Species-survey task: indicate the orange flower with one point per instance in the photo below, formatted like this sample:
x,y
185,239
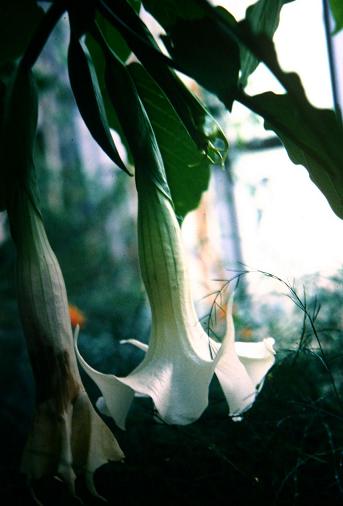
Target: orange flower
x,y
246,333
77,317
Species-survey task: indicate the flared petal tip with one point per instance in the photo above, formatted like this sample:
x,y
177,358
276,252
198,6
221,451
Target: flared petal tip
x,y
269,343
102,407
135,342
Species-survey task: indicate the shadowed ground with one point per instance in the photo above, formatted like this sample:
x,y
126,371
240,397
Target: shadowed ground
x,y
286,451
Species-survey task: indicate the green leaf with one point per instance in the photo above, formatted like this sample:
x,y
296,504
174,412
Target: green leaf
x,y
18,21
316,134
205,56
200,124
202,127
186,168
113,38
119,45
263,17
99,65
134,121
199,46
88,97
337,12
313,138
317,146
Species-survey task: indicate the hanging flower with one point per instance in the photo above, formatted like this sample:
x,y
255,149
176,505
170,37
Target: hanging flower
x,y
68,438
181,359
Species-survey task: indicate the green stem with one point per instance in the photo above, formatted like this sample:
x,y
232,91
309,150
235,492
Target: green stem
x,y
42,33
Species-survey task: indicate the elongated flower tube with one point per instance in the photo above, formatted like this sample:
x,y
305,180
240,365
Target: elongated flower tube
x,y
181,359
68,437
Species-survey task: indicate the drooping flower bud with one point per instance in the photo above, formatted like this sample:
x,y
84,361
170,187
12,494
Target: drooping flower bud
x,y
68,437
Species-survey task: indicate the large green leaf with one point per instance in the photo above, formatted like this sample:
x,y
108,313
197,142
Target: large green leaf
x,y
118,44
136,125
313,138
321,133
112,36
337,12
133,119
99,65
186,168
18,21
199,46
205,55
263,17
316,133
88,97
202,127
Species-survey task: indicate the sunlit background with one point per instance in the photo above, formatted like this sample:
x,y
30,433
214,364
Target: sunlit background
x,y
285,225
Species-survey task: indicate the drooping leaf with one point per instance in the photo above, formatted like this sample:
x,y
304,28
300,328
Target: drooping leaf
x,y
186,168
200,124
118,44
99,65
113,38
18,21
199,46
88,97
313,138
205,57
263,17
202,127
320,150
321,132
337,12
133,119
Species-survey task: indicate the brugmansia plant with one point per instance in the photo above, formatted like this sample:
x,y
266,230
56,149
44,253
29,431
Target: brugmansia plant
x,y
173,141
181,358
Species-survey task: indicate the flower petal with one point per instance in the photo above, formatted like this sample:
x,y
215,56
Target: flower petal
x,y
257,358
239,370
117,395
175,378
135,342
173,375
241,366
236,383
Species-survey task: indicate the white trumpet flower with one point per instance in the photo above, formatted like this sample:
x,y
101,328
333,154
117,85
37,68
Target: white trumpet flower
x,y
257,358
181,358
67,437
